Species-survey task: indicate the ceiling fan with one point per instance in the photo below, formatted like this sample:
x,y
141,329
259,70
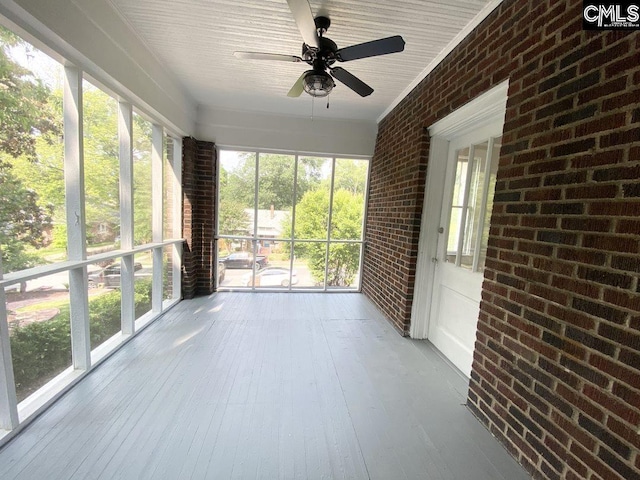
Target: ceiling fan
x,y
321,53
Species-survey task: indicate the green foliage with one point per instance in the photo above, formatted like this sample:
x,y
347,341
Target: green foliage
x,y
28,119
25,113
59,236
232,219
41,350
142,180
346,224
22,221
102,168
275,185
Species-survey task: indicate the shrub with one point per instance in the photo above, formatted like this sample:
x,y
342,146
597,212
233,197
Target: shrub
x,y
41,350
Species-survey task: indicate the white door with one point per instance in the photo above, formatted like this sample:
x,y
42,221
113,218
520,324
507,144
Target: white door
x,y
472,162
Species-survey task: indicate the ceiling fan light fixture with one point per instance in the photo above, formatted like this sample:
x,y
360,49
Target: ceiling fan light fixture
x,y
318,84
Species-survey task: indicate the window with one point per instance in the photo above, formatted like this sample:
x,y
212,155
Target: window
x,y
472,202
290,221
89,225
101,169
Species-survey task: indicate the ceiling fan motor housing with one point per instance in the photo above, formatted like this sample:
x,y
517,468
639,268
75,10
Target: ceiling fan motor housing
x,y
326,52
318,83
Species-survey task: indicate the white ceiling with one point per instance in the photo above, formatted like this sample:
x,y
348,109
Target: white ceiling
x,y
196,39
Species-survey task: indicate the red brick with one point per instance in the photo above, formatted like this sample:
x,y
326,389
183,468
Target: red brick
x,y
563,238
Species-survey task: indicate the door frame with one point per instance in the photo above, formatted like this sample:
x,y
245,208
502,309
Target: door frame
x,y
488,108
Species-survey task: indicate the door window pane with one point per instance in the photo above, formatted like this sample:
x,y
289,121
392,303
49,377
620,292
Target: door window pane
x,y
475,197
472,201
495,158
457,204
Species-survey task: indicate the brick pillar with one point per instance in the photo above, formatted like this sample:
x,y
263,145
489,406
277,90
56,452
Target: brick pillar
x,y
198,184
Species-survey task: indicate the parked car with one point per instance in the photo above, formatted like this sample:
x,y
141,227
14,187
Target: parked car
x,y
244,260
272,277
109,276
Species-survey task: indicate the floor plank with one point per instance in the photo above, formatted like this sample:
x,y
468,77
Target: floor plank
x,y
264,386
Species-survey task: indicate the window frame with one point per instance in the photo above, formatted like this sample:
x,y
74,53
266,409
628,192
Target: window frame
x,y
292,241
14,415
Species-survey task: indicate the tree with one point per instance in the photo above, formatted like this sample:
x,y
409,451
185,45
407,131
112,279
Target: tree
x,y
142,207
22,221
27,119
351,175
25,112
346,224
232,220
101,164
275,179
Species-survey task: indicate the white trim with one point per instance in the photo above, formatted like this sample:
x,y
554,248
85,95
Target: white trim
x,y
477,20
176,179
76,220
478,114
474,114
8,400
125,136
157,182
483,207
427,243
157,213
44,270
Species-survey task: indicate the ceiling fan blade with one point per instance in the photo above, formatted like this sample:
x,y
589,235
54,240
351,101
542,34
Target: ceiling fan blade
x,y
266,56
374,48
303,16
351,81
297,88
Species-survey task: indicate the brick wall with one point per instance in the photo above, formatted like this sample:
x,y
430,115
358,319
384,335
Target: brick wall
x,y
556,369
198,183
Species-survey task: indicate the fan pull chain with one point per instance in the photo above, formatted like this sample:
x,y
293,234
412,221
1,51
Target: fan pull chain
x,y
312,104
328,101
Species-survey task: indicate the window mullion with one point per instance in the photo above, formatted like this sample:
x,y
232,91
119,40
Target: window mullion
x,y
326,258
8,399
481,214
76,224
465,206
254,244
176,216
293,219
157,209
125,135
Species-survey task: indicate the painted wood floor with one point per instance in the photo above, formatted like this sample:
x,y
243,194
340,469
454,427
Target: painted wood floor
x,y
269,386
